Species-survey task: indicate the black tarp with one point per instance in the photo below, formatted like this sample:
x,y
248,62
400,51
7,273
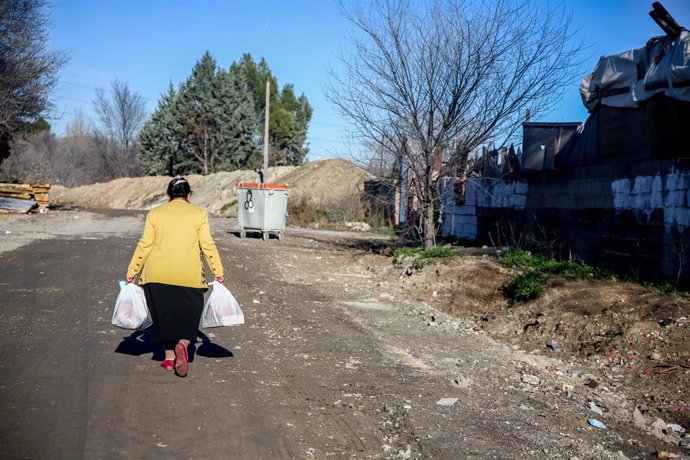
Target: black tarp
x,y
542,141
582,149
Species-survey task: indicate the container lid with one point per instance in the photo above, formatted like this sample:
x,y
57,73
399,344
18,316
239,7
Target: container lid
x,y
265,186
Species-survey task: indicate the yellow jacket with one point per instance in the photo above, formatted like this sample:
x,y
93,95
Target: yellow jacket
x,y
169,251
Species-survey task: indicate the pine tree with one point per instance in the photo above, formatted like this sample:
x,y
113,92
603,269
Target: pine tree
x,y
214,121
289,118
234,110
160,138
196,117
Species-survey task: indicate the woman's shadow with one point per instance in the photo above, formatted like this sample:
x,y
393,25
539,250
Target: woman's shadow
x,y
141,342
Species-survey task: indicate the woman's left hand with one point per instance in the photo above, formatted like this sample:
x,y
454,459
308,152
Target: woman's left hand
x,y
220,279
130,279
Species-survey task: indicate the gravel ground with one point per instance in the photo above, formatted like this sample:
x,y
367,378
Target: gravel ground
x,y
332,362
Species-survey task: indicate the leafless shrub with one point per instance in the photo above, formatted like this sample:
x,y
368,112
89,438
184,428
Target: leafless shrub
x,y
69,161
302,212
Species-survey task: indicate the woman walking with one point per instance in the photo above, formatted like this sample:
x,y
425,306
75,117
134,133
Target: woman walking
x,y
168,256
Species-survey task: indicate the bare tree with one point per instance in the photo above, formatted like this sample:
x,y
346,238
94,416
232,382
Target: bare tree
x,y
121,114
28,68
29,159
79,126
74,163
42,157
429,81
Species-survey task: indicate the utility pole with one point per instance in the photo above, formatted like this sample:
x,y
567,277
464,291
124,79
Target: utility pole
x,y
268,93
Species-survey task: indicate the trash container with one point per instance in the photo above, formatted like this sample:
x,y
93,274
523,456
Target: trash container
x,y
262,208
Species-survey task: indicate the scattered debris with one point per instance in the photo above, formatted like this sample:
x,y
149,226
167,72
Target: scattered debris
x,y
358,226
665,432
592,383
530,379
678,408
596,423
664,454
447,401
461,381
405,454
554,346
577,372
639,420
677,428
594,408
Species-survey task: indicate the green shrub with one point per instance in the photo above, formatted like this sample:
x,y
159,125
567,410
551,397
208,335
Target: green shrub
x,y
516,258
330,215
229,205
418,263
524,287
438,251
407,252
666,287
421,253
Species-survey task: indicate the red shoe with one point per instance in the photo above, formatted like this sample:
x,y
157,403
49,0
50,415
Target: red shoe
x,y
168,364
181,363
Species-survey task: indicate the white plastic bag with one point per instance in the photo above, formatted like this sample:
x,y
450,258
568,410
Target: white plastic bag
x,y
131,311
221,308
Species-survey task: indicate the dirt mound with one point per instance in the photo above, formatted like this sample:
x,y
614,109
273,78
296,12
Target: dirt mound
x,y
326,183
635,335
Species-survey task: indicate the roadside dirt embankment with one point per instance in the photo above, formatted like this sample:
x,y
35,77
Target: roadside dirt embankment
x,y
327,183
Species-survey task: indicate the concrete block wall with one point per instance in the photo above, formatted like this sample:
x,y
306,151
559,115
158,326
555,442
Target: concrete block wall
x,y
634,219
480,193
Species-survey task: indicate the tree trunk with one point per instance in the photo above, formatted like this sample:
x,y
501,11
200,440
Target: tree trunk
x,y
429,227
206,159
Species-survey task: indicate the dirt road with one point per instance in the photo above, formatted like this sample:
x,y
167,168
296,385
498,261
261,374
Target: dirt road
x,y
326,366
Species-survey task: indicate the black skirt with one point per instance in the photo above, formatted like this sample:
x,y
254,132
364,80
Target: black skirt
x,y
175,311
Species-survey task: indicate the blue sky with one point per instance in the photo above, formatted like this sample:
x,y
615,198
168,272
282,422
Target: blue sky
x,y
149,43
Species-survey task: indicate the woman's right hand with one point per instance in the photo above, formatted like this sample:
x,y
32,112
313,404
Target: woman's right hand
x,y
220,279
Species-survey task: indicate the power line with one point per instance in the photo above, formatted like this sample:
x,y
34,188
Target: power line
x,y
73,99
81,85
94,88
323,123
323,139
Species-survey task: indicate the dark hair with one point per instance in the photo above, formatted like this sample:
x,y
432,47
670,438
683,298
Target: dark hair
x,y
179,188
